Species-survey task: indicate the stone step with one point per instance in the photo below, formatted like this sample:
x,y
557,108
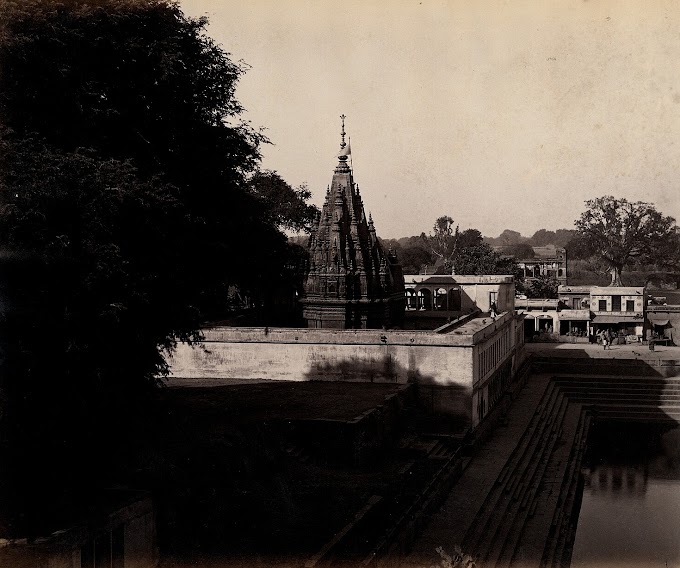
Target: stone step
x,y
613,378
442,450
643,395
510,529
528,475
570,513
523,452
640,389
558,466
625,401
549,398
633,405
569,492
638,414
623,385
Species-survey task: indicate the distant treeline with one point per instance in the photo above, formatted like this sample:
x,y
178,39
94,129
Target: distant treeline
x,y
415,255
541,238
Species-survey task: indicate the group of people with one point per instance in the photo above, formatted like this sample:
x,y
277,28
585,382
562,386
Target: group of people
x,y
577,333
606,337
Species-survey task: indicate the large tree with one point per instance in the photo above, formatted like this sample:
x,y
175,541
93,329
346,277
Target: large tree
x,y
124,93
483,259
126,210
463,252
443,242
619,231
470,238
543,287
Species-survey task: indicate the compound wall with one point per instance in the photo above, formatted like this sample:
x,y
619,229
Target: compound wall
x,y
304,355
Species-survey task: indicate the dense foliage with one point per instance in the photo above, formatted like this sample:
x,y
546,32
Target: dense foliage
x,y
128,206
448,250
443,242
284,206
542,237
619,232
540,287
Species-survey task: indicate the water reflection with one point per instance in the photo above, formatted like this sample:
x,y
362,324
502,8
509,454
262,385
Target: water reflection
x,y
630,515
632,480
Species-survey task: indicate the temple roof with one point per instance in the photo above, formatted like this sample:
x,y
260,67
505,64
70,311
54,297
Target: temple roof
x,y
347,260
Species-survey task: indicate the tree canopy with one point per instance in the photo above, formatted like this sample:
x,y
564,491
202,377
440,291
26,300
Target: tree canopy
x,y
483,259
470,238
125,156
542,287
619,231
509,237
451,251
443,242
284,206
520,250
129,203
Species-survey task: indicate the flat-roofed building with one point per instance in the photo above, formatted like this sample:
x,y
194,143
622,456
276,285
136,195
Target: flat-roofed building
x,y
433,300
620,309
548,261
581,312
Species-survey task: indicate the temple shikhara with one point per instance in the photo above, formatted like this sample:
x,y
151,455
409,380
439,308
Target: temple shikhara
x,y
353,283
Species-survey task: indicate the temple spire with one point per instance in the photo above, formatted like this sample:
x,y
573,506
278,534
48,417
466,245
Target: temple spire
x,y
349,264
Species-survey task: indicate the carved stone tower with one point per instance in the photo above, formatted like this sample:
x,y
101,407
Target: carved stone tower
x,y
352,283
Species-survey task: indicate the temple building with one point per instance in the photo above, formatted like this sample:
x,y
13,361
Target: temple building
x,y
353,283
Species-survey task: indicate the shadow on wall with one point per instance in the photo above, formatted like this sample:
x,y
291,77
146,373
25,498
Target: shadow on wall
x,y
446,407
384,369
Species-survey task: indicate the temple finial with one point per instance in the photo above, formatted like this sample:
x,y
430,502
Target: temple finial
x,y
342,144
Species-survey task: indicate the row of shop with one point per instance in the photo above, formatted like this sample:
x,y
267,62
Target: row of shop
x,y
572,326
582,313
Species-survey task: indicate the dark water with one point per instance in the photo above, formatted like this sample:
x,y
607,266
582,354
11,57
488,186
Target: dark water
x,y
630,515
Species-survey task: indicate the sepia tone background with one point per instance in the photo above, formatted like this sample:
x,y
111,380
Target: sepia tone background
x,y
501,114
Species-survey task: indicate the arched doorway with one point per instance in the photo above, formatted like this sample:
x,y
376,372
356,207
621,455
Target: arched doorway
x,y
424,299
441,299
411,300
545,324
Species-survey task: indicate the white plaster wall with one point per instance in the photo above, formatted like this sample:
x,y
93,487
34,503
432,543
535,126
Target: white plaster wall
x,y
362,355
430,364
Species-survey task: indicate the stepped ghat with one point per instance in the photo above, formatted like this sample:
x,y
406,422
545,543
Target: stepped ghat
x,y
517,501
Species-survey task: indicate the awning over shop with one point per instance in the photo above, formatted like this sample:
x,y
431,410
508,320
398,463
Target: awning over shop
x,y
618,319
575,315
658,319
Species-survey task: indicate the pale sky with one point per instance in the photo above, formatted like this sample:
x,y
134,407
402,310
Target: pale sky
x,y
501,114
